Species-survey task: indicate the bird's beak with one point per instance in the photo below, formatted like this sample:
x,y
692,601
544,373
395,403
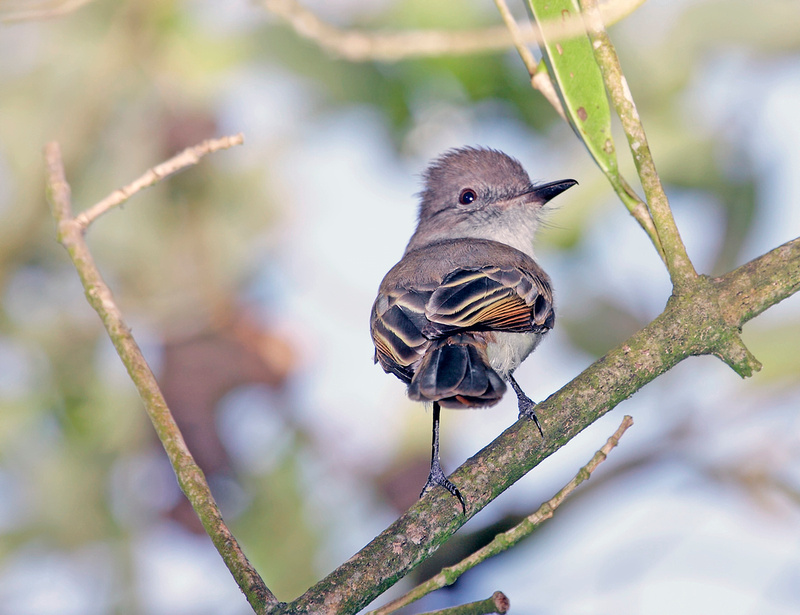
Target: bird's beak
x,y
545,192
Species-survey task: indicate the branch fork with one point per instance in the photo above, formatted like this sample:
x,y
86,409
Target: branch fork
x,y
192,481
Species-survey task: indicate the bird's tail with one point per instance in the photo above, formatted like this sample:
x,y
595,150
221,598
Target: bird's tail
x,y
455,371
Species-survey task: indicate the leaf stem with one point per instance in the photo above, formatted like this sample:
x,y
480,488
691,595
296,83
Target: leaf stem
x,y
680,267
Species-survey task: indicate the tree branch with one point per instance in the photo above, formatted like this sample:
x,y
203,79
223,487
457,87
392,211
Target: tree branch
x,y
190,477
188,157
362,46
760,284
697,323
506,540
497,603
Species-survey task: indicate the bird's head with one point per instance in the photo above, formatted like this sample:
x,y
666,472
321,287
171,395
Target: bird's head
x,y
481,193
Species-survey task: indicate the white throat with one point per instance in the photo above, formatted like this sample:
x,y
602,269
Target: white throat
x,y
516,233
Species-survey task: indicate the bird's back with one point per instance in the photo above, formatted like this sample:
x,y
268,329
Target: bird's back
x,y
441,296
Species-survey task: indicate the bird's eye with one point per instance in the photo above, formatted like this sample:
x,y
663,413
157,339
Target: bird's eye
x,y
467,196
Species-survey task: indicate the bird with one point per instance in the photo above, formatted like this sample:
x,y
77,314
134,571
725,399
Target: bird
x,y
467,302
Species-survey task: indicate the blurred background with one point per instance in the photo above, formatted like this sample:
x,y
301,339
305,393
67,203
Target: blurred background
x,y
248,281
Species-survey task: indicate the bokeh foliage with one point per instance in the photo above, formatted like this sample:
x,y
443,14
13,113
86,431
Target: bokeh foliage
x,y
123,85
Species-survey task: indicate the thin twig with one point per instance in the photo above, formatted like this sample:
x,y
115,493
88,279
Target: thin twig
x,y
540,80
363,46
680,267
496,603
190,476
188,157
508,539
519,40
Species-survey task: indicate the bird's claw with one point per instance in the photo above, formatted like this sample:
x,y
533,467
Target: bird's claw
x,y
526,405
437,478
527,409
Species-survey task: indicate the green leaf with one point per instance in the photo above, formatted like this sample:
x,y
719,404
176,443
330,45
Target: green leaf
x,y
577,78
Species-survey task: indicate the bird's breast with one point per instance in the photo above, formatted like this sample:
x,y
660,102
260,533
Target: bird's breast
x,y
507,350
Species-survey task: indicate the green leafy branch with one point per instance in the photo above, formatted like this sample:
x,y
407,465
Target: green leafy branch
x,y
585,71
704,315
583,68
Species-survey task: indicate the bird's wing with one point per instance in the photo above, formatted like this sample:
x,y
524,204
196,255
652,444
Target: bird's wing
x,y
398,318
489,298
504,298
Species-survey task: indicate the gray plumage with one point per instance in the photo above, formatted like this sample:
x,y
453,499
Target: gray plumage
x,y
467,303
467,276
468,290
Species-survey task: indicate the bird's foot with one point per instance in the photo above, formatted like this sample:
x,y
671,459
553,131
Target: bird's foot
x,y
527,409
526,405
437,477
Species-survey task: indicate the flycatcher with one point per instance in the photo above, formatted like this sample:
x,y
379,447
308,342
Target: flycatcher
x,y
467,303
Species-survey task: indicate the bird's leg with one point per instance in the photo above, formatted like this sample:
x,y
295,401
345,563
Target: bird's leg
x,y
436,476
526,404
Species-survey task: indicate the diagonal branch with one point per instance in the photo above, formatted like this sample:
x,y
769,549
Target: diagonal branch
x,y
698,323
759,284
190,477
506,540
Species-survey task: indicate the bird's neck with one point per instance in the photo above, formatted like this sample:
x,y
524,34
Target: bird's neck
x,y
519,236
